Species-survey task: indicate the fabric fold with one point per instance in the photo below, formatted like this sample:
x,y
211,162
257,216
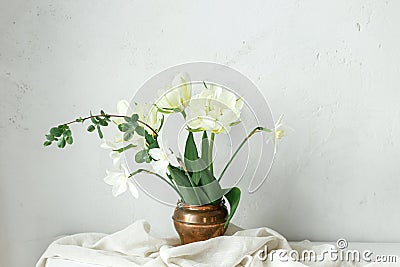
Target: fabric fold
x,y
135,246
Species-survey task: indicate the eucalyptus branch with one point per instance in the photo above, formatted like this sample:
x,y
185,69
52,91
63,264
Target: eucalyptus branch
x,y
104,115
156,174
63,135
254,131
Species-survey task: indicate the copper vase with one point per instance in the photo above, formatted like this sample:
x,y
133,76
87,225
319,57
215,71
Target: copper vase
x,y
198,223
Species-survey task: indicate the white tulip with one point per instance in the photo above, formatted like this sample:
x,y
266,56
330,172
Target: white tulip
x,y
149,114
214,109
177,97
120,182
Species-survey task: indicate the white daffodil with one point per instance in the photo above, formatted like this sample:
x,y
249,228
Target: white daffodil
x,y
114,155
214,109
162,158
147,113
279,131
120,182
123,109
177,97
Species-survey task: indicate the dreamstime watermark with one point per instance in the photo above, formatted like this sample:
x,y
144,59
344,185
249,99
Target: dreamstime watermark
x,y
340,253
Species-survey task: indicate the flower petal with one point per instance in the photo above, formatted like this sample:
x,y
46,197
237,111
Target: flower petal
x,y
160,167
118,189
113,178
133,189
156,153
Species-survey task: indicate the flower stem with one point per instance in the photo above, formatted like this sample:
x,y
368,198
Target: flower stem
x,y
183,114
156,174
255,130
210,153
112,116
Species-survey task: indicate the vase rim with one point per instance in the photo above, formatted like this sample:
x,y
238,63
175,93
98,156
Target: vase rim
x,y
200,207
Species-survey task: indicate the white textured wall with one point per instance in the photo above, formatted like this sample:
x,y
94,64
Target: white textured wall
x,y
331,66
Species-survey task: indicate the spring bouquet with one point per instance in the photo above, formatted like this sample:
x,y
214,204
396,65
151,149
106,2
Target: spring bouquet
x,y
212,111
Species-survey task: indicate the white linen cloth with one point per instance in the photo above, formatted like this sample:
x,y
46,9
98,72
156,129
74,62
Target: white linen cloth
x,y
134,246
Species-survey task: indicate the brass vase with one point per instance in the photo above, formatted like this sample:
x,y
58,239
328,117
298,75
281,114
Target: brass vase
x,y
198,223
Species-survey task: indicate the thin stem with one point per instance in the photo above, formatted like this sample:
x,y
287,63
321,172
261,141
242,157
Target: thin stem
x,y
156,174
183,114
254,131
210,153
112,116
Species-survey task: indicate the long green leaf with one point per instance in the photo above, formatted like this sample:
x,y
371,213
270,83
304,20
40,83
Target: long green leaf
x,y
191,195
179,176
205,145
233,197
191,153
192,159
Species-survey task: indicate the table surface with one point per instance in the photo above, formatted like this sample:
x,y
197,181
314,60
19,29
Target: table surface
x,y
376,248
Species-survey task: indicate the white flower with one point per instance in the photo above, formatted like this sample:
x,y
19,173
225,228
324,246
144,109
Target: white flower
x,y
120,182
177,96
279,131
162,158
123,109
147,113
214,109
114,155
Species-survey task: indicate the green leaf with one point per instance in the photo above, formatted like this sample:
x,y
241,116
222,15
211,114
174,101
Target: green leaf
x,y
153,145
55,131
191,154
102,112
122,149
205,146
128,136
179,176
162,122
61,143
103,122
191,195
63,127
196,177
235,123
49,137
233,197
140,130
99,132
206,177
124,127
80,119
266,130
69,140
194,130
47,143
149,139
67,133
91,128
134,118
94,121
142,156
